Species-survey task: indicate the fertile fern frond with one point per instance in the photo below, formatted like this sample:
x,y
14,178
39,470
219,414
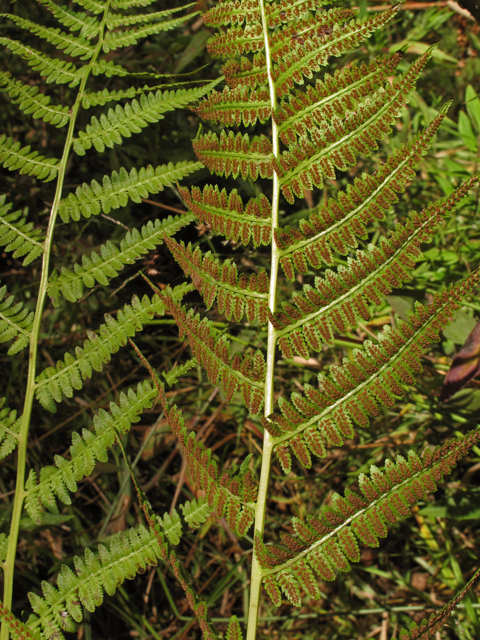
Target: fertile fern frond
x,y
212,352
55,382
234,106
336,226
110,260
18,630
18,235
71,45
129,553
57,482
327,544
119,188
247,72
74,21
15,322
236,295
340,299
118,39
31,101
234,631
233,12
115,20
354,391
17,158
314,157
225,213
9,426
53,70
232,154
133,117
224,494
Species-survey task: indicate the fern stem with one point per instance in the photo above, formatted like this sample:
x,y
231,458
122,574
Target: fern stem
x,y
9,564
256,573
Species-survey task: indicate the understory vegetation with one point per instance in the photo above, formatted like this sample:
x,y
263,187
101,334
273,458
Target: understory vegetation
x,y
146,309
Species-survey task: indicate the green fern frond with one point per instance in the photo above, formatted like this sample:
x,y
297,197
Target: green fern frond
x,y
118,39
225,213
196,512
18,235
172,376
100,98
67,43
87,25
115,20
95,6
55,382
236,295
9,427
327,147
110,260
172,527
119,188
129,553
133,117
311,53
327,544
108,68
340,299
232,154
336,226
57,482
30,101
131,4
15,322
17,158
212,352
324,416
224,494
57,71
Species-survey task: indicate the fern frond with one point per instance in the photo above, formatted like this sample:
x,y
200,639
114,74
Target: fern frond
x,y
15,322
354,391
115,20
95,98
312,158
332,96
129,553
232,154
57,71
95,6
428,628
133,117
17,158
234,106
30,101
172,376
18,630
340,299
225,214
236,295
57,482
119,188
326,545
74,21
118,39
234,631
196,512
286,11
71,45
233,12
311,53
336,226
242,373
18,235
237,40
224,494
55,382
9,427
110,260
130,4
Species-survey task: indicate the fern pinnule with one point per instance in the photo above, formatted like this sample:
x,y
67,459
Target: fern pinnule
x,y
232,12
9,426
57,482
117,39
17,158
110,260
70,45
226,215
115,20
73,20
236,295
328,543
234,106
55,382
96,98
16,322
52,69
31,101
336,226
116,190
94,6
282,12
18,235
250,73
18,629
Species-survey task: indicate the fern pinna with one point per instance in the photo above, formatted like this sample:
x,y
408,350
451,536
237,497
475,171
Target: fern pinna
x,y
301,290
